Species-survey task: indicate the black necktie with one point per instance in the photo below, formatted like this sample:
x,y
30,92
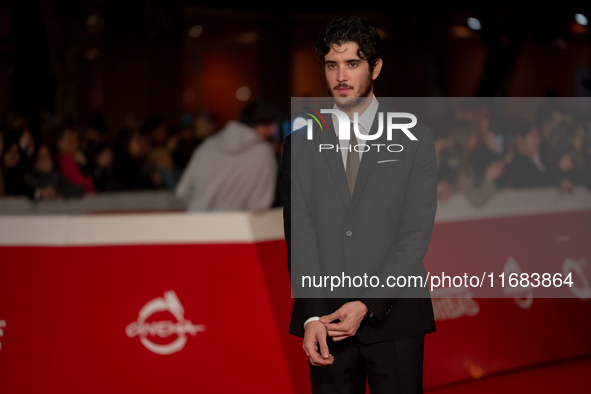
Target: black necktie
x,y
352,163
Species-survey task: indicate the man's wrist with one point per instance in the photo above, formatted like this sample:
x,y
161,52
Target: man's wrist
x,y
363,303
369,312
313,318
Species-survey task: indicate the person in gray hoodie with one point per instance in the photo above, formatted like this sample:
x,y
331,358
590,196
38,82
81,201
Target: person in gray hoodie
x,y
236,168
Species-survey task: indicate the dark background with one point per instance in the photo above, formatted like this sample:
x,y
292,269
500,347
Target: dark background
x,y
129,58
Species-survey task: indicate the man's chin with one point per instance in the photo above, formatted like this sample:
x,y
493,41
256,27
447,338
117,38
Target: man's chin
x,y
348,102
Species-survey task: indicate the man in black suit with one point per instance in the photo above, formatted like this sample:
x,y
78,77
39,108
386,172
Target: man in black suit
x,y
355,212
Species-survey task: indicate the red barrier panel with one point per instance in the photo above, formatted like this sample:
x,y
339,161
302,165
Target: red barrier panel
x,y
480,336
213,317
119,319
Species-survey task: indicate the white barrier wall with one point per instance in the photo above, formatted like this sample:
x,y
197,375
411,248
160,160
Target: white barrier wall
x,y
103,202
65,227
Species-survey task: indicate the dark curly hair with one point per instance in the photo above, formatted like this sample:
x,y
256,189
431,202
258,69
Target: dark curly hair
x,y
351,28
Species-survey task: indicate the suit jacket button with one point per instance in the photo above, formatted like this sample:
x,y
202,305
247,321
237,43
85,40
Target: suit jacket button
x,y
349,233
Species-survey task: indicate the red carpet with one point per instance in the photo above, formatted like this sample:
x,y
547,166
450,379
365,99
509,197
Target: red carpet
x,y
571,377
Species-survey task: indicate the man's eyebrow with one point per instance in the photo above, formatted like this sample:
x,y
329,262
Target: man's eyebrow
x,y
346,61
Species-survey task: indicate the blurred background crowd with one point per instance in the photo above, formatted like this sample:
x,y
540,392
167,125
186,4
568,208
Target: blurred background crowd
x,y
478,154
72,159
106,96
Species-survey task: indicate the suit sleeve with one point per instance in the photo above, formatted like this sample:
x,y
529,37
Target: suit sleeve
x,y
417,219
300,236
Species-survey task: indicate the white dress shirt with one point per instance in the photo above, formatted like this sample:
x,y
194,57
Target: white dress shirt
x,y
365,122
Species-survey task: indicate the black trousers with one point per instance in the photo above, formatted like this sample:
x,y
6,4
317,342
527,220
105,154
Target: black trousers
x,y
394,367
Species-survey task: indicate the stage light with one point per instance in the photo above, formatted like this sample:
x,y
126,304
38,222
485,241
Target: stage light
x,y
460,31
195,31
91,53
243,93
248,38
581,19
94,20
474,24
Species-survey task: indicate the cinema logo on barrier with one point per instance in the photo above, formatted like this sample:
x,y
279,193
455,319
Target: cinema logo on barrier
x,y
145,329
2,325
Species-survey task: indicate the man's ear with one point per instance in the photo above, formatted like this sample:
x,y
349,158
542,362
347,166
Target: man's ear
x,y
377,68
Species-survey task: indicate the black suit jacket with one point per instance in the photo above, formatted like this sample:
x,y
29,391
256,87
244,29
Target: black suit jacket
x,y
383,229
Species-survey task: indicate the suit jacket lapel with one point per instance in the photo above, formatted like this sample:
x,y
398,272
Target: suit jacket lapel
x,y
335,161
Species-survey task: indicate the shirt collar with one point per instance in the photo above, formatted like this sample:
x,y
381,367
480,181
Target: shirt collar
x,y
366,118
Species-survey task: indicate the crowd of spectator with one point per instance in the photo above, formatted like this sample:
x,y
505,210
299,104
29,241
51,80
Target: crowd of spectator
x,y
68,159
478,154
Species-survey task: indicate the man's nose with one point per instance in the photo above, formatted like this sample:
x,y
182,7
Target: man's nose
x,y
342,74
